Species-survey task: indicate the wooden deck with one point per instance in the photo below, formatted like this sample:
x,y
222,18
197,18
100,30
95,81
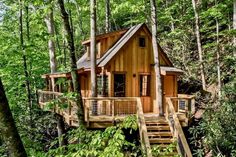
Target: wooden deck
x,y
102,112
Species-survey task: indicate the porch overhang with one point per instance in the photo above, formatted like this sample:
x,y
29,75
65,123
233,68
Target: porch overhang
x,y
170,70
56,75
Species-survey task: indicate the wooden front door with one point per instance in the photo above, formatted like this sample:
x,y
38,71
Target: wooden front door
x,y
145,91
170,88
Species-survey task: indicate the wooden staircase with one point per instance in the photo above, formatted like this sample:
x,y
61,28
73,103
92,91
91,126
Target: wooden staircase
x,y
160,136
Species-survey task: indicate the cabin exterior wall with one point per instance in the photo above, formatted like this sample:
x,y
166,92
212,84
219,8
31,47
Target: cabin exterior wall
x,y
134,61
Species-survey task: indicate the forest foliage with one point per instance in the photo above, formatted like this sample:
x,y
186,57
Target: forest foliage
x,y
176,34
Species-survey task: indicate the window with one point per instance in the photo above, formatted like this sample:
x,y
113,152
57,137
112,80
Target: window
x,y
119,85
97,50
142,42
102,85
182,104
144,85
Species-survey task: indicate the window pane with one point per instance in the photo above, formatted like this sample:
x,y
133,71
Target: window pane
x,y
102,85
119,85
142,42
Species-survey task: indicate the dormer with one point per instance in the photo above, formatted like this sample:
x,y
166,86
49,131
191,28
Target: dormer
x,y
98,50
103,42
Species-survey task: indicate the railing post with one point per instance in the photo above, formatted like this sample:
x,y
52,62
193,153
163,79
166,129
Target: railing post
x,y
113,111
192,105
87,108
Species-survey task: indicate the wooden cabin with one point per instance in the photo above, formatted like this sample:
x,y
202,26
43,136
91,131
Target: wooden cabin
x,y
126,81
126,63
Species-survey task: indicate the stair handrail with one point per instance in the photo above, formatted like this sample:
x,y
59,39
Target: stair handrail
x,y
177,129
145,144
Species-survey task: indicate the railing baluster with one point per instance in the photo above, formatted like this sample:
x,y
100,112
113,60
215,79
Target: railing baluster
x,y
192,106
113,111
87,107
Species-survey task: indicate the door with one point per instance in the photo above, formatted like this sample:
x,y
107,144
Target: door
x,y
170,88
145,92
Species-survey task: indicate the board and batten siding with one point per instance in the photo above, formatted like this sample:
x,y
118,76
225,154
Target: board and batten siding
x,y
133,60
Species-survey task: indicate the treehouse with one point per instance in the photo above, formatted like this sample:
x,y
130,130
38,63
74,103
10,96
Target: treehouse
x,y
126,86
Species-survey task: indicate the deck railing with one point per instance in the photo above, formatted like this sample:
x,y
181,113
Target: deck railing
x,y
100,109
186,104
68,112
108,108
176,128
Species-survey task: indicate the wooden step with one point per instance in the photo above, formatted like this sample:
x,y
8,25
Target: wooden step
x,y
168,154
164,146
160,134
156,123
155,120
158,128
161,140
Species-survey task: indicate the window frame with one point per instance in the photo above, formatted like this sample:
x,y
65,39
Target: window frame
x,y
140,43
113,81
106,90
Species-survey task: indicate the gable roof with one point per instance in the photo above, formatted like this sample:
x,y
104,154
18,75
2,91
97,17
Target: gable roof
x,y
118,45
101,36
84,63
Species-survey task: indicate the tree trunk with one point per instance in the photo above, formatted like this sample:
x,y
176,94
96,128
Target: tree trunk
x,y
74,74
234,26
199,45
64,49
73,32
108,14
27,23
61,130
8,128
80,22
93,47
93,52
60,61
27,82
51,43
218,60
49,20
159,98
